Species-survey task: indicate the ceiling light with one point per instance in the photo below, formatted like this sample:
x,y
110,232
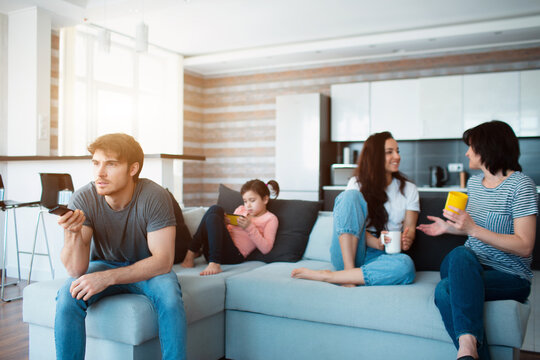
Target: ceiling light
x,y
141,37
104,40
104,35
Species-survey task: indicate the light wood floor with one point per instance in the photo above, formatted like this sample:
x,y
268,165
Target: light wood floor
x,y
14,332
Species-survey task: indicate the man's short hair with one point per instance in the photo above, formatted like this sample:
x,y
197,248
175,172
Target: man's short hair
x,y
123,145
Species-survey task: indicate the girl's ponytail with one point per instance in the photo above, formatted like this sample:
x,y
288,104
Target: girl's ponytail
x,y
273,186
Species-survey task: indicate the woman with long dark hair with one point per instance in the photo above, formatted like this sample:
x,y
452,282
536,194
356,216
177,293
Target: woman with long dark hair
x,y
500,222
378,198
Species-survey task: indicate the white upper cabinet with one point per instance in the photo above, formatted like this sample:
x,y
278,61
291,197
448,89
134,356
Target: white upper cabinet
x,y
350,112
492,96
530,103
441,107
395,108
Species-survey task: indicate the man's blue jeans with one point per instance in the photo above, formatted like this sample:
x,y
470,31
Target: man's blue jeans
x,y
162,290
465,285
379,268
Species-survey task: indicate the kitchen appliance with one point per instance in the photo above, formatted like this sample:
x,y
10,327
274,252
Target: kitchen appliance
x,y
437,176
341,173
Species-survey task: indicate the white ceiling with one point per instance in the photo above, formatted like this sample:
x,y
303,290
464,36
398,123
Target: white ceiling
x,y
226,36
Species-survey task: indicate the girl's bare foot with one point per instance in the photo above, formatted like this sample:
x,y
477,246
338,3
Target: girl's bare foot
x,y
189,260
212,269
308,274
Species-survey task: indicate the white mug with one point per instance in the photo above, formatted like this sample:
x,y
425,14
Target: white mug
x,y
394,246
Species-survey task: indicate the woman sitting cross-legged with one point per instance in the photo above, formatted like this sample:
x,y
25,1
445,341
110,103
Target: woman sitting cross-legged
x,y
225,243
378,198
500,222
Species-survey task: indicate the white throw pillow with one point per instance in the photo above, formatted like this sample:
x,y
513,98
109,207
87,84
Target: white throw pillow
x,y
193,217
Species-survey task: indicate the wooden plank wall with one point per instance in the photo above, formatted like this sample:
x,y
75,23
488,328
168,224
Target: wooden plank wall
x,y
231,119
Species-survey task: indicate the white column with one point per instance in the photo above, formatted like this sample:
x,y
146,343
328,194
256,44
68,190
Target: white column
x,y
29,78
3,83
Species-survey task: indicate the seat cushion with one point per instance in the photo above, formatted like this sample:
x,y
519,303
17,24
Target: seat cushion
x,y
130,318
404,309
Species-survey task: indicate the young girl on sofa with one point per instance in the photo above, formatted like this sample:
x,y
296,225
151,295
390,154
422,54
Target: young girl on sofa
x,y
225,243
378,198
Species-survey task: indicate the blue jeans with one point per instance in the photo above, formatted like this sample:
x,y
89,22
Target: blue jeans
x,y
465,285
162,290
379,268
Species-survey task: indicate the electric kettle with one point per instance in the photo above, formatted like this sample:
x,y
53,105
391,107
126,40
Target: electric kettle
x,y
437,176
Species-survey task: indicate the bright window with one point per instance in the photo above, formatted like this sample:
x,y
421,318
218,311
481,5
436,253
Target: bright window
x,y
118,91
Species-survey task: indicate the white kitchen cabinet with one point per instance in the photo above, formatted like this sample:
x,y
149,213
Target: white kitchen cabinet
x,y
492,96
303,149
441,107
350,112
395,108
530,103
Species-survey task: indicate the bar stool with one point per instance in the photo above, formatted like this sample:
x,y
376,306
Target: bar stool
x,y
6,206
56,189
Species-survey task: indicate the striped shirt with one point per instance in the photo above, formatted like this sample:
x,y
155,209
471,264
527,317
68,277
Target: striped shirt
x,y
495,210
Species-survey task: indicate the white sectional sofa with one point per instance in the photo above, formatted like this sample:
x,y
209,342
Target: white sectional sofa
x,y
257,311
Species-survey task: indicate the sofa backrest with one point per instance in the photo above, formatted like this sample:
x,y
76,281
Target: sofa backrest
x,y
427,251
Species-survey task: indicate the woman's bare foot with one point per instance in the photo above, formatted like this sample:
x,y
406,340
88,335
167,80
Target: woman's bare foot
x,y
467,346
212,269
308,274
189,259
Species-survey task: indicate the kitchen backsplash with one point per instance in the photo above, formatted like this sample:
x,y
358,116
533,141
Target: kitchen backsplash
x,y
418,155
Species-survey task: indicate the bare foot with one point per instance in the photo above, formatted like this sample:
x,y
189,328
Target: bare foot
x,y
189,260
348,285
467,346
212,269
318,275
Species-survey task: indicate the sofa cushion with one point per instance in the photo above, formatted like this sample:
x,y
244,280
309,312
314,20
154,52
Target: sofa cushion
x,y
296,219
405,309
320,239
130,318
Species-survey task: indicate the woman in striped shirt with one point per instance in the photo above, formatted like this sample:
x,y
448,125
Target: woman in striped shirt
x,y
500,222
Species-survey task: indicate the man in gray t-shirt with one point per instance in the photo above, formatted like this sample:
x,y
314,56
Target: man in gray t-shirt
x,y
119,239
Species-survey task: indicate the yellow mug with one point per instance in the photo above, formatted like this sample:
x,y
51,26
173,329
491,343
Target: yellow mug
x,y
456,199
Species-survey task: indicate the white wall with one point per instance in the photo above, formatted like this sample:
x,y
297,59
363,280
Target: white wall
x,y
3,83
28,85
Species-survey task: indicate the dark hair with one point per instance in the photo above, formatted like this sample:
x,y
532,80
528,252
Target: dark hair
x,y
497,145
371,175
261,188
123,145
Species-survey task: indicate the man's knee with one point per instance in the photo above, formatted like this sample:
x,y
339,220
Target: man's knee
x,y
64,300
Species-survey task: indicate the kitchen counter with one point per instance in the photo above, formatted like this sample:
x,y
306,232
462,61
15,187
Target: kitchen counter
x,y
421,188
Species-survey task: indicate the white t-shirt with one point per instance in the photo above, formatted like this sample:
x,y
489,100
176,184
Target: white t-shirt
x,y
397,203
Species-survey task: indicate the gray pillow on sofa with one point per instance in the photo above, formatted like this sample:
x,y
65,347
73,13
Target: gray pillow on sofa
x,y
296,219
